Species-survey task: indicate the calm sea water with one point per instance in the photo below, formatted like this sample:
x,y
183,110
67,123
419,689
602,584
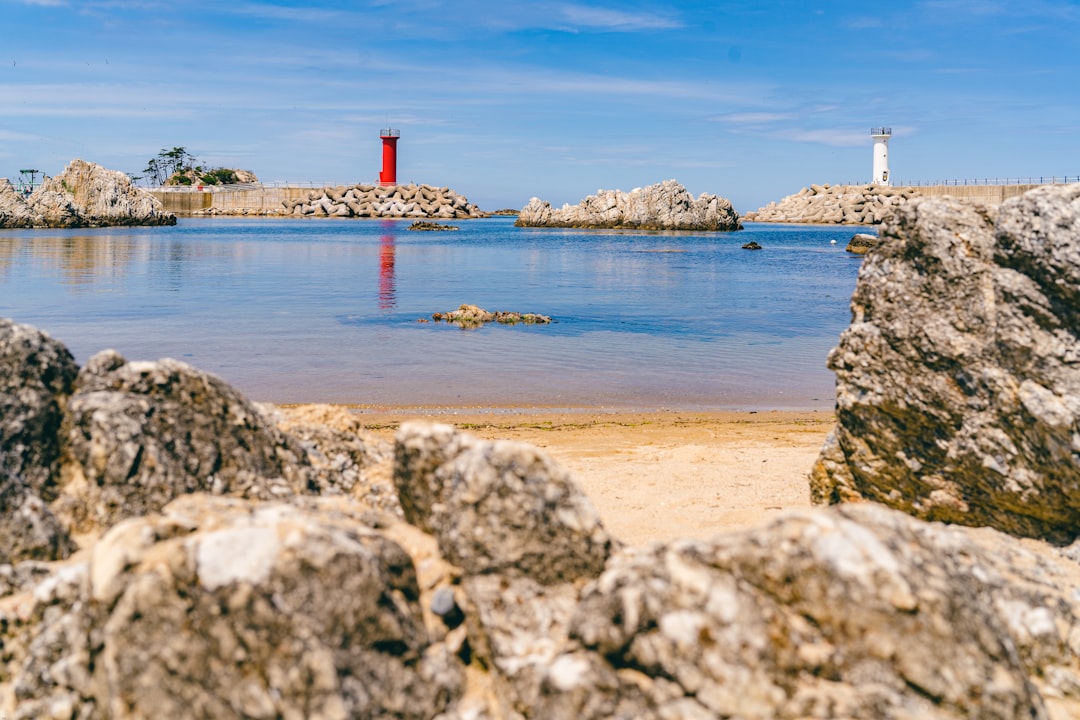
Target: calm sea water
x,y
328,310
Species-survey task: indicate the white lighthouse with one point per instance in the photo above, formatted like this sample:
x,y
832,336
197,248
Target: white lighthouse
x,y
881,137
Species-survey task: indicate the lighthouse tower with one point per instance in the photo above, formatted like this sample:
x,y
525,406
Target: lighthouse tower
x,y
388,176
881,137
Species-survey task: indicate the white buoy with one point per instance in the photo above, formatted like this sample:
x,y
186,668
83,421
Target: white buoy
x,y
881,137
832,242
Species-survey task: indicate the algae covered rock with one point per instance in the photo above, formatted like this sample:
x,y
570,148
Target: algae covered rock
x,y
958,389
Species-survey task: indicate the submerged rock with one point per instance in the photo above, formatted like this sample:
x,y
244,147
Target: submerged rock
x,y
431,226
958,387
471,316
664,206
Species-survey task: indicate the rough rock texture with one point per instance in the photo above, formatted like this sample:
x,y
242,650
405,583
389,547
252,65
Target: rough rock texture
x,y
664,206
83,195
394,201
224,608
504,597
958,381
14,212
841,204
500,507
36,376
860,613
139,434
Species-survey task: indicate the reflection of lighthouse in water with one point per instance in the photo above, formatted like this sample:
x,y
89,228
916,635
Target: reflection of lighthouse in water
x,y
387,299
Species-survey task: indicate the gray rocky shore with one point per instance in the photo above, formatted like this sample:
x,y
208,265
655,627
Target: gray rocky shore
x,y
170,549
834,204
663,206
83,195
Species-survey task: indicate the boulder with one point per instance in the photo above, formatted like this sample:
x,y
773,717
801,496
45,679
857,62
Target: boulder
x,y
498,507
859,612
305,595
225,608
36,377
861,243
958,388
664,206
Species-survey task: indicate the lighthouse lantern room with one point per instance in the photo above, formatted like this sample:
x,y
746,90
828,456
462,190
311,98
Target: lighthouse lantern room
x,y
881,137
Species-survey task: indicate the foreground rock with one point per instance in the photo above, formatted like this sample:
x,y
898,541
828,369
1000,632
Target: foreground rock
x,y
395,201
834,204
958,387
222,559
664,206
83,195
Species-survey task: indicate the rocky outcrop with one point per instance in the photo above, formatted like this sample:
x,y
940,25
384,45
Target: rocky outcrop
x,y
958,388
471,316
83,195
834,204
664,206
279,581
395,201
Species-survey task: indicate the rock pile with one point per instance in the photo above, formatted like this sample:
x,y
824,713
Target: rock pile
x,y
395,201
83,195
840,204
958,385
664,206
173,550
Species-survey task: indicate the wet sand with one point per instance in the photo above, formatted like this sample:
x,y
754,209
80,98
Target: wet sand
x,y
656,475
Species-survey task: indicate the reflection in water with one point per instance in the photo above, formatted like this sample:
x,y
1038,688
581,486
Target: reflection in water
x,y
387,298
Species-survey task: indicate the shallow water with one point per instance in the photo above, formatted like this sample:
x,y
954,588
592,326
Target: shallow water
x,y
328,310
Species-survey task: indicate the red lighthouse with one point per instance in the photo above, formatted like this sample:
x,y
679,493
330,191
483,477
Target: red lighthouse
x,y
389,136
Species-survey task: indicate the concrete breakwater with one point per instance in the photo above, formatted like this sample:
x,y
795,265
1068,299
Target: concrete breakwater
x,y
360,200
869,204
839,204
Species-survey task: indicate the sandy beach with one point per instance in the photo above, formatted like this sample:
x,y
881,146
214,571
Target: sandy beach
x,y
657,475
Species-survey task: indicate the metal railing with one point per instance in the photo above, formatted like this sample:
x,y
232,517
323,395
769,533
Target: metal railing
x,y
881,131
249,186
1041,180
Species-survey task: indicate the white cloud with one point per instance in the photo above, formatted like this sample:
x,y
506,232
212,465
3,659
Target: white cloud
x,y
581,16
831,137
752,118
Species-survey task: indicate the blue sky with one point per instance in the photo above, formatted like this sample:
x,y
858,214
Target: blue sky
x,y
509,100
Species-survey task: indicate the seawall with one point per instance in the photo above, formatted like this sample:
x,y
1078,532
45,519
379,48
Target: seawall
x,y
991,194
